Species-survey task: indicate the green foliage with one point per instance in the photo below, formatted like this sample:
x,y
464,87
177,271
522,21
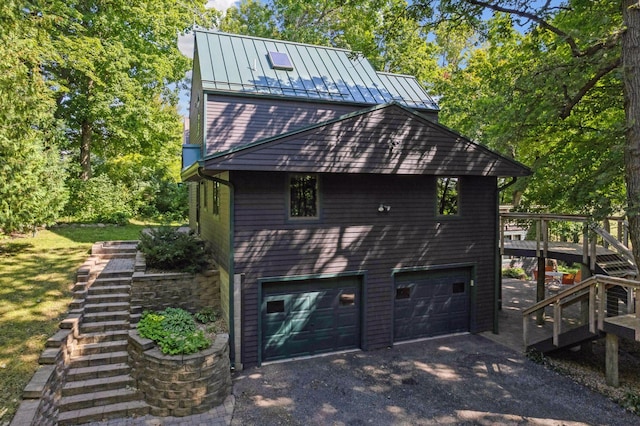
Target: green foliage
x,y
631,401
114,74
517,273
99,200
170,249
206,315
174,330
32,173
152,184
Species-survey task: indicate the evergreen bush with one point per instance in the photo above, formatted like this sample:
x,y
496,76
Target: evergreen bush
x,y
170,249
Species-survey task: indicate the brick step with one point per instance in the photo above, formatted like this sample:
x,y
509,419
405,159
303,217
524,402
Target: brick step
x,y
97,372
108,289
109,281
105,307
102,336
99,359
134,319
105,412
103,326
105,316
108,298
100,348
97,399
97,385
76,304
114,274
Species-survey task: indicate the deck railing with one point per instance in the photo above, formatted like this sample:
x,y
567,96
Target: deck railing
x,y
592,233
597,305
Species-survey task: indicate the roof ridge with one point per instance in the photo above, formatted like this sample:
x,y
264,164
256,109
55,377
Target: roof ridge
x,y
341,49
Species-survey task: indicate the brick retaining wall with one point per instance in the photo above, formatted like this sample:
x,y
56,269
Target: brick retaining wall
x,y
180,385
191,292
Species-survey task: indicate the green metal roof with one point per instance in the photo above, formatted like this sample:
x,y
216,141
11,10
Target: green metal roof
x,y
237,63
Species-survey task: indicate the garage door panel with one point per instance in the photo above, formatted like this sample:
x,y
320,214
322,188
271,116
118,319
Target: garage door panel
x,y
431,303
319,316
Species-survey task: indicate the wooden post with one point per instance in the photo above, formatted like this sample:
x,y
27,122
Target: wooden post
x,y
611,360
585,246
540,289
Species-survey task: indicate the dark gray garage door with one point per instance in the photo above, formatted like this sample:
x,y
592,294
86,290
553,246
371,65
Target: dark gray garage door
x,y
431,303
310,317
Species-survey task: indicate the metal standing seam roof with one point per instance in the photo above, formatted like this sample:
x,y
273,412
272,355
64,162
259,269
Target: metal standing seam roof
x,y
237,63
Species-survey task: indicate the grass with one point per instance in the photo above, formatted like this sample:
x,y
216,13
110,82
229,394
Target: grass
x,y
36,276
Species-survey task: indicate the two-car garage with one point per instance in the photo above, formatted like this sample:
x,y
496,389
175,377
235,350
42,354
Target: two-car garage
x,y
314,316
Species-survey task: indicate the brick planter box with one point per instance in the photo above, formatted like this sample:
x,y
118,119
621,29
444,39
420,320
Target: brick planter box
x,y
180,385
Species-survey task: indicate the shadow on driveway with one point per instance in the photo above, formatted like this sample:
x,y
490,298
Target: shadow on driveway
x,y
465,379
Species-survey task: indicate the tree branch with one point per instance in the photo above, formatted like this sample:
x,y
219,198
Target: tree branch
x,y
571,102
611,41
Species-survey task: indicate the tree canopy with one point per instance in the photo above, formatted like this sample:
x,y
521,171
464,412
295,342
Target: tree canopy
x,y
85,83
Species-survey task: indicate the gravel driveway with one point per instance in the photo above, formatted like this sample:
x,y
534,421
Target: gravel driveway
x,y
464,379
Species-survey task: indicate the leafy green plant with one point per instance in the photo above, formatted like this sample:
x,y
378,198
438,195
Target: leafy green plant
x,y
206,315
514,273
174,330
99,199
168,248
631,401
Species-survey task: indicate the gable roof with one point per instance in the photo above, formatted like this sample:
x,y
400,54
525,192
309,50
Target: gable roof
x,y
242,64
385,139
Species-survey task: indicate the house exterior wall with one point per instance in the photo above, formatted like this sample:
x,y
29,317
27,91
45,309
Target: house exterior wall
x,y
193,188
196,105
216,231
351,235
237,120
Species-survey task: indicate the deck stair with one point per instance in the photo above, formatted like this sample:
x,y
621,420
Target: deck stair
x,y
583,312
618,264
98,384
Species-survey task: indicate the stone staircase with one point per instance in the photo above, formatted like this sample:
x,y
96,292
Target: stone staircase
x,y
98,383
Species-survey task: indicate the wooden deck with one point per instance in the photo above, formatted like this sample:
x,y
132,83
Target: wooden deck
x,y
569,252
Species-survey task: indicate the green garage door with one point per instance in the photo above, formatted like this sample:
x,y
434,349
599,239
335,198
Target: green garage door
x,y
431,303
310,317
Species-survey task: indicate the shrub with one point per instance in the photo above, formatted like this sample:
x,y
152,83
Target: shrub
x,y
168,248
206,315
99,200
174,330
514,273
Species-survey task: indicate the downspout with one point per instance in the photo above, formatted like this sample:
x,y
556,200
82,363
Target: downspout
x,y
497,296
232,340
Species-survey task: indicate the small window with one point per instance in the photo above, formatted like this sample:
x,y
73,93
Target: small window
x,y
448,196
347,299
303,196
403,292
216,199
458,287
275,306
280,61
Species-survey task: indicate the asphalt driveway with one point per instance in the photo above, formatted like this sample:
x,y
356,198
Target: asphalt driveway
x,y
465,379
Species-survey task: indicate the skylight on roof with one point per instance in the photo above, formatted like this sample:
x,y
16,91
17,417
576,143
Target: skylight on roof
x,y
280,61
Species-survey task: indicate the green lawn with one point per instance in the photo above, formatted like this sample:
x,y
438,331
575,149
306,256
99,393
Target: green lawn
x,y
36,276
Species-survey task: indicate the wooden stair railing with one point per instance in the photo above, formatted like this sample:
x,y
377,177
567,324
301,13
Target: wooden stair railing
x,y
595,287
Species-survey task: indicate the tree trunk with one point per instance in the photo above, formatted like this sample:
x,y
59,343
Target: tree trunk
x,y
85,150
631,77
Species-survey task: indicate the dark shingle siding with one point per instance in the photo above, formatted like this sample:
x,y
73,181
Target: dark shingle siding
x,y
353,236
388,140
233,121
